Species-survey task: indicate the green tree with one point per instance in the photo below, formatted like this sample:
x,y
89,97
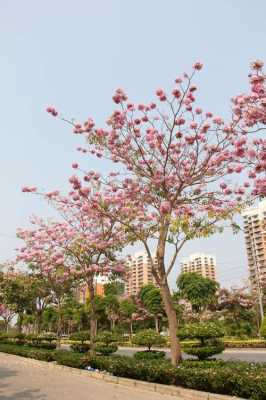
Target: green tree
x,y
111,305
152,301
115,288
208,334
50,318
99,311
148,338
127,309
237,308
199,291
16,292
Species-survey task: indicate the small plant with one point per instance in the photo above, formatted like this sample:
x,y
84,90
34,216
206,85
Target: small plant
x,y
106,343
148,338
208,334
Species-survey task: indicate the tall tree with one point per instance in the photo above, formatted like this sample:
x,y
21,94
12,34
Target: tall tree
x,y
16,293
114,287
111,304
199,291
128,310
175,181
152,301
7,314
82,246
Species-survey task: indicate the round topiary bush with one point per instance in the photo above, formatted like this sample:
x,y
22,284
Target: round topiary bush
x,y
80,347
106,350
106,342
206,351
149,355
148,338
81,336
207,334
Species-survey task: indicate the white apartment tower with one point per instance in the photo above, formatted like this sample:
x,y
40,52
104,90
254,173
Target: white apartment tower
x,y
255,238
202,264
139,273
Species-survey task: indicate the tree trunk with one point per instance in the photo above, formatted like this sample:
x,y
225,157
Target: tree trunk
x,y
19,323
59,326
6,325
38,321
161,279
93,319
131,329
172,322
156,320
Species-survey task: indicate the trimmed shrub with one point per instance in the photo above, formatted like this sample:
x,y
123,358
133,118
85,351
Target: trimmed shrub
x,y
206,351
106,350
45,346
81,336
70,359
149,355
106,343
26,351
238,344
232,378
207,333
80,347
148,338
201,331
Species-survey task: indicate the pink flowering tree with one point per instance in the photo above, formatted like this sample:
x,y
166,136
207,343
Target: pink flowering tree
x,y
7,314
38,254
182,174
250,112
82,245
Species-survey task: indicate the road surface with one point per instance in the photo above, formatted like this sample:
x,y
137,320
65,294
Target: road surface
x,y
250,355
20,380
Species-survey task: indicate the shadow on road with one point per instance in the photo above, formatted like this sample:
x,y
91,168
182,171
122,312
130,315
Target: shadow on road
x,y
6,392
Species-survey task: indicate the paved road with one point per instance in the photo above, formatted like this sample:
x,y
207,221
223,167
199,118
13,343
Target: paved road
x,y
252,355
20,380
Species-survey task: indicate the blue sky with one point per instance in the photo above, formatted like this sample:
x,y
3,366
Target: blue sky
x,y
73,54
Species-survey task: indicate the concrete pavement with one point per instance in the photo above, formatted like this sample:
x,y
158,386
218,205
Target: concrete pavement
x,y
19,380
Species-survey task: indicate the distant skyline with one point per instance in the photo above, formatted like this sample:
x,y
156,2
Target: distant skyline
x,y
73,55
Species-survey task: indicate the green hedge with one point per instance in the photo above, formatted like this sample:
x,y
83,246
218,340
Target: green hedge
x,y
237,379
246,380
244,344
149,355
70,359
27,351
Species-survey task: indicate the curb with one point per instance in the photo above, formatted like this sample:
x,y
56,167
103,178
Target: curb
x,y
177,391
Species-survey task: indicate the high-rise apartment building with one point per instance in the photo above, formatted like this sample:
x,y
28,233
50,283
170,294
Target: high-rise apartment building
x,y
255,238
202,264
139,273
82,292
